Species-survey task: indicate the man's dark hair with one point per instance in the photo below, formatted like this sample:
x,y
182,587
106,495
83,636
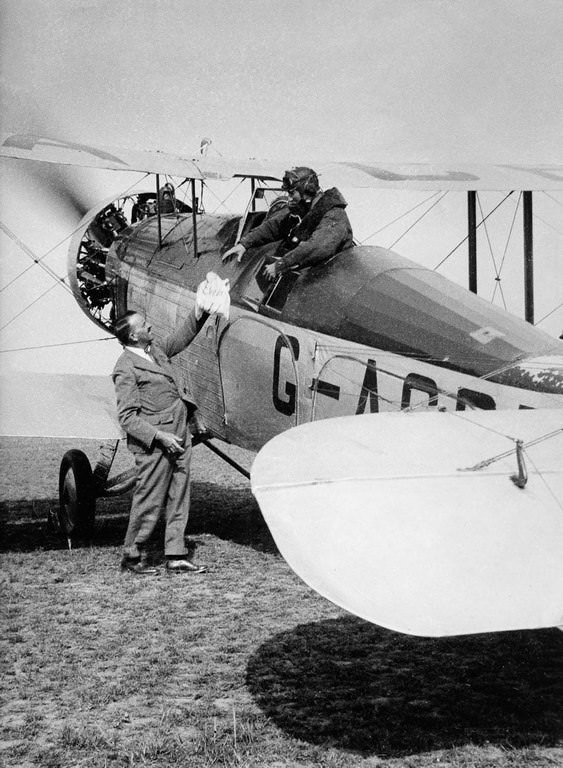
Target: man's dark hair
x,y
122,327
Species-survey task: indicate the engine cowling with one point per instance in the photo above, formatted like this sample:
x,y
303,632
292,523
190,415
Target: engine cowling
x,y
94,286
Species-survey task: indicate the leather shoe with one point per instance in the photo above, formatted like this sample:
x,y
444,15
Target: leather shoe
x,y
138,566
184,566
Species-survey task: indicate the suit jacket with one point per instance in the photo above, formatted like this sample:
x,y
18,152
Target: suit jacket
x,y
150,395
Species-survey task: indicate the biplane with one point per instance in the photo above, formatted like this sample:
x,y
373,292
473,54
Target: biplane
x,y
410,434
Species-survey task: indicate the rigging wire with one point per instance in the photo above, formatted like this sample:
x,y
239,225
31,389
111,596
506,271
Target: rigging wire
x,y
487,428
398,218
458,414
20,274
221,203
179,219
60,344
542,478
547,224
497,279
435,360
549,313
461,242
341,351
28,252
36,260
40,259
554,199
491,252
394,243
50,288
506,454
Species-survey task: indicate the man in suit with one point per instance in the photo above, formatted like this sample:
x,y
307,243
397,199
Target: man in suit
x,y
154,409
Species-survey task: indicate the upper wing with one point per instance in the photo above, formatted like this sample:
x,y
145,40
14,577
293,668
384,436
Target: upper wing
x,y
374,175
378,514
61,152
58,405
452,176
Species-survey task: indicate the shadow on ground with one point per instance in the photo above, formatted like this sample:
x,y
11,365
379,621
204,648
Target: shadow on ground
x,y
228,513
352,685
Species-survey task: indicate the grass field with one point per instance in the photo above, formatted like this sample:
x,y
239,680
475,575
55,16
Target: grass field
x,y
242,666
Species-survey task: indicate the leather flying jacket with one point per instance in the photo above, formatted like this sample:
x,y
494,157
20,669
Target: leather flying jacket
x,y
324,231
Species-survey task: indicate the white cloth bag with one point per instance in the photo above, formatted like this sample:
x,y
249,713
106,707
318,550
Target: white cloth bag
x,y
213,296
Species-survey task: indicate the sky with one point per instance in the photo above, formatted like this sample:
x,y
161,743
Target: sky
x,y
387,80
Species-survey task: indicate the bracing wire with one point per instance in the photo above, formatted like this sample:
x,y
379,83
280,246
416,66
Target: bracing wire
x,y
439,200
398,218
35,259
547,224
60,344
18,314
547,485
549,313
179,218
554,199
58,280
40,259
461,242
20,274
491,252
468,419
497,280
506,454
222,203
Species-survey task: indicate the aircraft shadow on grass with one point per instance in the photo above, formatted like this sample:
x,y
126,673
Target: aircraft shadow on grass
x,y
351,685
229,513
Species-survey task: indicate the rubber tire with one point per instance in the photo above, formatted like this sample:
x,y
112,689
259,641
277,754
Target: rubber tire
x,y
77,500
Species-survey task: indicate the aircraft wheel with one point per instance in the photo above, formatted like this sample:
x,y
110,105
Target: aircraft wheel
x,y
77,500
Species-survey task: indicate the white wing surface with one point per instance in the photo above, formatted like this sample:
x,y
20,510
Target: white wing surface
x,y
58,405
380,514
369,174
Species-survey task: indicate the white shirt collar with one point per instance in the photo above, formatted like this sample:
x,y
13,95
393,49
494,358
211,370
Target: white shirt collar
x,y
141,352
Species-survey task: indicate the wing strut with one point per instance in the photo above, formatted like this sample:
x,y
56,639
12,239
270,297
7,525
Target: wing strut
x,y
527,198
472,239
227,459
158,210
528,258
195,204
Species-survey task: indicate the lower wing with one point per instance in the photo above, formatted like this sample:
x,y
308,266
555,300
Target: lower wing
x,y
402,519
58,405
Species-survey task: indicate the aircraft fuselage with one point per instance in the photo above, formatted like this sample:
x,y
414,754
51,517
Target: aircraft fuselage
x,y
369,331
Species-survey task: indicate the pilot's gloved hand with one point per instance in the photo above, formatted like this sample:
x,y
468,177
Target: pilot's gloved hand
x,y
270,271
237,250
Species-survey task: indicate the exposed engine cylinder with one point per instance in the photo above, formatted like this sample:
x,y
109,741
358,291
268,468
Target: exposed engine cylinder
x,y
93,288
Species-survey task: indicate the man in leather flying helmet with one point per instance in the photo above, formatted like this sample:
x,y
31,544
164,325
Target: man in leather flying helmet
x,y
311,228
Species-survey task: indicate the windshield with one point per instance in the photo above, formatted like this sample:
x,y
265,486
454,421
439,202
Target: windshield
x,y
419,313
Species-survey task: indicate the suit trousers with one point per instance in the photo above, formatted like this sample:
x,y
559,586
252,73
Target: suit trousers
x,y
162,488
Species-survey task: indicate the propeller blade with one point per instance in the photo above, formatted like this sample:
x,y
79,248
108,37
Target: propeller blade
x,y
61,184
